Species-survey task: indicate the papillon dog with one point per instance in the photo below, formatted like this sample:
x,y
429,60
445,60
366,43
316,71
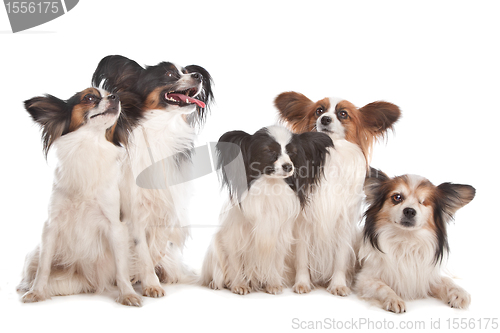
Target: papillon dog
x,y
326,230
269,176
85,246
174,100
405,240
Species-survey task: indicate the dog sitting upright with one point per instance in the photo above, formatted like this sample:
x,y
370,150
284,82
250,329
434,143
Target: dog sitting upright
x,y
84,245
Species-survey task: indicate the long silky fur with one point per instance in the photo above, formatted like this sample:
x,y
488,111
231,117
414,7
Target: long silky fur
x,y
250,250
400,265
84,245
162,139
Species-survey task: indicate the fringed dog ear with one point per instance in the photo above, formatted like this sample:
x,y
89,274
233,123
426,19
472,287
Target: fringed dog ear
x,y
375,196
52,114
454,196
379,117
116,73
294,109
373,181
206,95
129,118
308,152
231,154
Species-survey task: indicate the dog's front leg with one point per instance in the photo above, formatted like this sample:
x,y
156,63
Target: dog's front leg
x,y
38,291
369,287
338,283
151,286
302,283
446,290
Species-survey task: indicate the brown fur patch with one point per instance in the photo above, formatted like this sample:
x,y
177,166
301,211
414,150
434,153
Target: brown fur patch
x,y
154,101
363,126
80,110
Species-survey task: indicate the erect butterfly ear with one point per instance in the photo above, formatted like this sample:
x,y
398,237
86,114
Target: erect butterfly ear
x,y
454,196
293,108
52,114
231,152
116,73
379,116
373,181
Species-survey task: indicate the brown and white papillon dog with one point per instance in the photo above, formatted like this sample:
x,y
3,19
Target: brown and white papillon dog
x,y
85,246
405,240
269,175
173,100
326,230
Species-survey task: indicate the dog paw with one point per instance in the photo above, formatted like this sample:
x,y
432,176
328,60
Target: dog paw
x,y
154,291
130,300
32,297
274,290
302,288
213,285
394,304
339,290
459,298
240,290
165,278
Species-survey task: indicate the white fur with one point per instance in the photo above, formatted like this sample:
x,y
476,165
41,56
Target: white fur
x,y
84,245
405,271
249,250
326,230
406,267
157,215
255,238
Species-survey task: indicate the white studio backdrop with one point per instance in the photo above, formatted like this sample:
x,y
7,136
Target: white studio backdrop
x,y
438,61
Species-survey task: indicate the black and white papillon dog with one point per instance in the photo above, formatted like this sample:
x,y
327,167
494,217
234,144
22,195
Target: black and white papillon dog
x,y
269,176
173,100
84,247
405,240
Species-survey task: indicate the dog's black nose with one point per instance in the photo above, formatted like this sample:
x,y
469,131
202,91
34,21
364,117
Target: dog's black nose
x,y
409,212
287,167
326,120
197,76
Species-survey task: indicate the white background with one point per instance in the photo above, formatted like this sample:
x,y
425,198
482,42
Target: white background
x,y
439,61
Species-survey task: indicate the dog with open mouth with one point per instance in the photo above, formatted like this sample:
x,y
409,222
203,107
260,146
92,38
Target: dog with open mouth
x,y
174,101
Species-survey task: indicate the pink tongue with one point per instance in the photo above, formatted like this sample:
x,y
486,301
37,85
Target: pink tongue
x,y
186,99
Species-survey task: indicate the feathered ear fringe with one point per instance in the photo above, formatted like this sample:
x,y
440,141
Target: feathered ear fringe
x,y
293,109
129,118
52,114
206,95
308,161
231,163
377,118
375,197
448,199
116,73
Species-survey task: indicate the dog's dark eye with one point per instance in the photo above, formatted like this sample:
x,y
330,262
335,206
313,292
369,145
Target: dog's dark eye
x,y
171,74
319,111
89,98
342,114
274,156
397,198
